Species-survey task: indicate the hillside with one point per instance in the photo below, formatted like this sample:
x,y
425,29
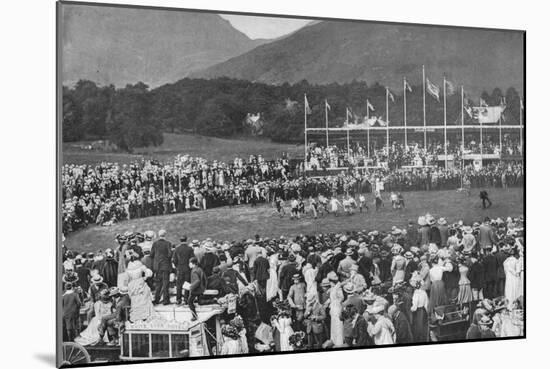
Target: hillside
x,y
333,51
117,46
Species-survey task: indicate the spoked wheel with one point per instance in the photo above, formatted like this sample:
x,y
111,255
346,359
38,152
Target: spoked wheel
x,y
74,354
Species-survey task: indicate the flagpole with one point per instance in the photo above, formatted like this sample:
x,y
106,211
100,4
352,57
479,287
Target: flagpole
x,y
445,118
405,109
521,125
387,124
368,130
500,130
305,133
462,121
326,119
424,103
347,133
481,136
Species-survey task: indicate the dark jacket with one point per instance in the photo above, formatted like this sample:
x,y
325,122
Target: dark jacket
x,y
161,253
364,265
410,268
360,334
181,257
208,262
261,269
285,275
490,266
501,257
121,310
198,281
324,270
71,305
476,275
403,333
435,236
216,282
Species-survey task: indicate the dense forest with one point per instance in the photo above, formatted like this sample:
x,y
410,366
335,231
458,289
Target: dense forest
x,y
136,116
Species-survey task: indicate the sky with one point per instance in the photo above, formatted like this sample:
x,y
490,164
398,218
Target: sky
x,y
264,27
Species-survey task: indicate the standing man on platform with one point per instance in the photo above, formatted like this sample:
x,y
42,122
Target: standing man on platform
x,y
161,254
182,254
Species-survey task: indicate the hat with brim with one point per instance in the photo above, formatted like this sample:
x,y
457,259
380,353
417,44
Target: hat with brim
x,y
485,320
97,279
442,221
325,282
332,276
409,255
296,277
349,252
113,291
467,230
422,221
349,288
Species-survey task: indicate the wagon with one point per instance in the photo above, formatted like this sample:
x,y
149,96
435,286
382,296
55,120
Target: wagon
x,y
170,334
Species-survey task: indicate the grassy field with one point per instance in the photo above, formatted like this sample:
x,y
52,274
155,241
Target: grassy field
x,y
244,221
210,148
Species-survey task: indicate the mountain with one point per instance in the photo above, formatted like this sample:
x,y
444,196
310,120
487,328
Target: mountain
x,y
124,45
336,51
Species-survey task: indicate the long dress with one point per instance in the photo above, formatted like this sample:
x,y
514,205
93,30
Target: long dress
x,y
284,326
311,284
141,305
336,325
383,331
272,287
438,297
398,269
231,346
465,294
419,308
90,336
512,286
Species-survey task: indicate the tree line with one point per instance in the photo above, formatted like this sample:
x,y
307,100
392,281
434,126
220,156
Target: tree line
x,y
135,115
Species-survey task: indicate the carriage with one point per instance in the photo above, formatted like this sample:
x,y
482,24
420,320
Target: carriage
x,y
170,334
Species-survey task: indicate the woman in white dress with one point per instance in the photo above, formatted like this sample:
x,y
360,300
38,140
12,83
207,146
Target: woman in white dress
x,y
383,331
141,307
310,274
336,297
512,270
284,326
102,307
272,287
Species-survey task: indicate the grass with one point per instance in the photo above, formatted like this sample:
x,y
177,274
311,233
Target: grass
x,y
211,148
244,221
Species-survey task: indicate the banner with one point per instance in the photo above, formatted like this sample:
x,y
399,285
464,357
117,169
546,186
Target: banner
x,y
487,114
432,89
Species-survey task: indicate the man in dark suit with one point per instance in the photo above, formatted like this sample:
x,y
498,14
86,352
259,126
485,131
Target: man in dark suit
x,y
182,255
71,310
501,276
161,254
490,266
411,266
403,333
484,196
486,234
261,271
197,285
476,275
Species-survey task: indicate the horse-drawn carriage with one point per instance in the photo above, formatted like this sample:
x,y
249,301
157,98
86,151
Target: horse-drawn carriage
x,y
169,334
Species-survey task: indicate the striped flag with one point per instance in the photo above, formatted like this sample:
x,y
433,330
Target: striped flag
x,y
306,105
407,86
369,105
432,89
390,95
450,87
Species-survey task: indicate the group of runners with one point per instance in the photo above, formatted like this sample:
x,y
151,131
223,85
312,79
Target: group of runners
x,y
321,205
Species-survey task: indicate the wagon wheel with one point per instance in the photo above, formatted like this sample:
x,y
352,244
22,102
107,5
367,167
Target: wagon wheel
x,y
74,354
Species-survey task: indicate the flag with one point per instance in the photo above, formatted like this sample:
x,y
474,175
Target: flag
x,y
450,87
306,105
349,114
468,110
488,114
432,89
369,105
390,95
521,104
327,105
407,86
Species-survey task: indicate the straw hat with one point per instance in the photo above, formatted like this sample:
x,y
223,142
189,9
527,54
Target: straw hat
x,y
422,220
442,221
